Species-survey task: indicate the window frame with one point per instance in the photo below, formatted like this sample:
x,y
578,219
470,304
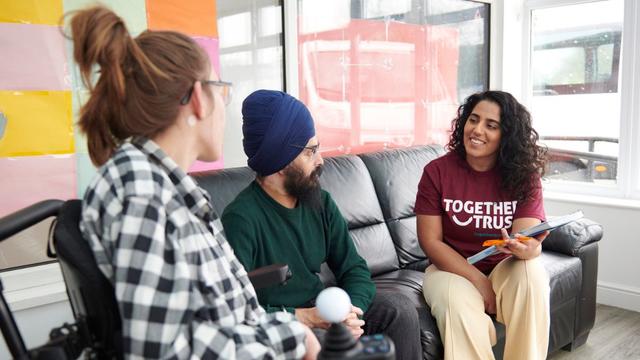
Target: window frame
x,y
628,182
257,43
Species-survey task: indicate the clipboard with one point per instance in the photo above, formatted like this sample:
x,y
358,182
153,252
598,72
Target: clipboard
x,y
548,225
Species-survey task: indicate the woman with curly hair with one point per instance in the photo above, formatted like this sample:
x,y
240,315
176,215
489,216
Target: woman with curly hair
x,y
487,186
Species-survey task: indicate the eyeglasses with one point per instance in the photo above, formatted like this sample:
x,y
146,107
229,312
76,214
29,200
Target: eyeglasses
x,y
226,91
313,148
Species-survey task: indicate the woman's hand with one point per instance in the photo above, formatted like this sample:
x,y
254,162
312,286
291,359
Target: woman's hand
x,y
311,344
521,248
483,284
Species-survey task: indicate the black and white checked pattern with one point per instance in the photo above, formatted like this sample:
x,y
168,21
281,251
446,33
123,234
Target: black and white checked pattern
x,y
181,290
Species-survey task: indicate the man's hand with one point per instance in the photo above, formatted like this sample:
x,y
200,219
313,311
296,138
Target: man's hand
x,y
311,318
483,284
523,250
353,322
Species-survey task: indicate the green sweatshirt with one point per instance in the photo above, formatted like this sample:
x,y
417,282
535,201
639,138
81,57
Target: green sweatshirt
x,y
263,232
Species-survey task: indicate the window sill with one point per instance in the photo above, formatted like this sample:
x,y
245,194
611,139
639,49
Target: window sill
x,y
608,201
33,286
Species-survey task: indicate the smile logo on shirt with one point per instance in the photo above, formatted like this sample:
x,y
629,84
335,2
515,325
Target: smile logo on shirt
x,y
482,214
462,223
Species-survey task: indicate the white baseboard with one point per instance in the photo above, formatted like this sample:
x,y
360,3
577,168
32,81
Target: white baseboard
x,y
618,295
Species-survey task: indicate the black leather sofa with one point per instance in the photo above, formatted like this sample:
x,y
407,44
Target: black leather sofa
x,y
376,192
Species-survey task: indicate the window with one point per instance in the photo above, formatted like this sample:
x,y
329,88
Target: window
x,y
378,74
575,98
581,62
251,56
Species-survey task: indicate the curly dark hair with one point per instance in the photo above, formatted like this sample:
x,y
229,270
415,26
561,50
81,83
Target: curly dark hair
x,y
520,158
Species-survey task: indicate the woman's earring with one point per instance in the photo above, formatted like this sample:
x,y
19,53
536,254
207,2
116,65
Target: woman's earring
x,y
191,121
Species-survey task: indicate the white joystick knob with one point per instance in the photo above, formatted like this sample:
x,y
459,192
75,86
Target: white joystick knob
x,y
333,304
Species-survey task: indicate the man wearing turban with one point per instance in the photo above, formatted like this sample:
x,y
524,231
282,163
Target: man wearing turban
x,y
285,217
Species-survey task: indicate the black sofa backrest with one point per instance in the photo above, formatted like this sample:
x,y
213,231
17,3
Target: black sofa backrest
x,y
375,193
347,180
395,175
224,185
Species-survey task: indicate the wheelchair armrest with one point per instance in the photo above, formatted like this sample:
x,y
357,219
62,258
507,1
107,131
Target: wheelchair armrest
x,y
31,215
269,275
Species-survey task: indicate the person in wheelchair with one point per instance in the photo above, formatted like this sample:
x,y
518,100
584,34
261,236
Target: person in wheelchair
x,y
155,108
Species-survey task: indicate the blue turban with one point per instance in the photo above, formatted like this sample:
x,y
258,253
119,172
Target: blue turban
x,y
273,121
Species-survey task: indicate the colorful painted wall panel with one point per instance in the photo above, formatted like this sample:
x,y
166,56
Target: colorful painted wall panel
x,y
206,166
211,47
33,58
41,92
46,12
193,17
42,153
133,12
85,172
26,180
38,123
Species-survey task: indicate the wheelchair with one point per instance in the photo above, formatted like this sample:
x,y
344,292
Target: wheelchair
x,y
97,330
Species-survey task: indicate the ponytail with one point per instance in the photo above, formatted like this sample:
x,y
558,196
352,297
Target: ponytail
x,y
140,83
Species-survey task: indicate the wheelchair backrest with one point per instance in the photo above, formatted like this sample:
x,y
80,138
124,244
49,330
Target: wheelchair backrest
x,y
91,295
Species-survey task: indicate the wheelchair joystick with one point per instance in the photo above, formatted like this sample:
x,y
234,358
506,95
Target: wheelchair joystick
x,y
333,306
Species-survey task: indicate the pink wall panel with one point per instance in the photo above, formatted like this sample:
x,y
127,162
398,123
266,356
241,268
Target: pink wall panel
x,y
210,46
204,166
26,180
33,58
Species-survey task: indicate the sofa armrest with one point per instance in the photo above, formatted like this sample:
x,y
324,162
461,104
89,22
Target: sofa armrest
x,y
569,239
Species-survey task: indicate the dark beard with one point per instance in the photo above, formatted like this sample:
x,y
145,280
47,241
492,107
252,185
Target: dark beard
x,y
304,188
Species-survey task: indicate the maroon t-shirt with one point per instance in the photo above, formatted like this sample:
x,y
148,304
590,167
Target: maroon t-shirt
x,y
472,206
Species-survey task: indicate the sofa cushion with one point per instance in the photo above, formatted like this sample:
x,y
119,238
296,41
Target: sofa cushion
x,y
374,244
410,253
409,282
396,174
347,180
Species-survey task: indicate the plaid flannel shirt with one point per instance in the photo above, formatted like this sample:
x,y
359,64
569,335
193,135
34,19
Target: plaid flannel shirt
x,y
182,292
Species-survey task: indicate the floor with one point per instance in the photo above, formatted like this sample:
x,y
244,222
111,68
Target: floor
x,y
615,335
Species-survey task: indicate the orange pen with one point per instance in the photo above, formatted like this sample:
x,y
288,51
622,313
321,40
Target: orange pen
x,y
500,242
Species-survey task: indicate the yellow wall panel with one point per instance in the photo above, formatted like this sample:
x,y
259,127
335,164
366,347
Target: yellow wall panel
x,y
47,12
38,123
